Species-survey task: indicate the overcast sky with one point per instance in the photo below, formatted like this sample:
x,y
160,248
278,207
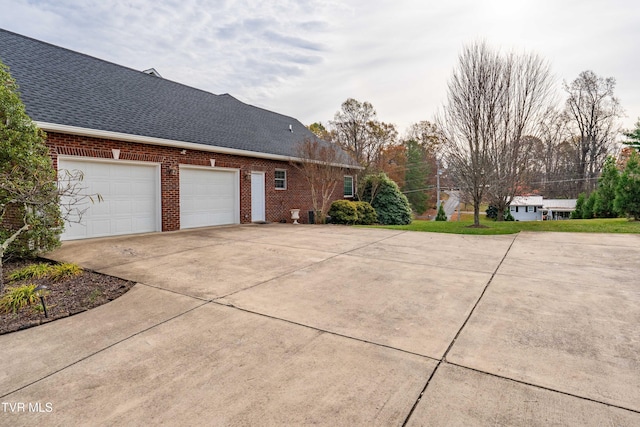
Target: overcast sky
x,y
304,58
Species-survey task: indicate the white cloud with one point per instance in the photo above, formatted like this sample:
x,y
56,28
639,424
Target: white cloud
x,y
304,58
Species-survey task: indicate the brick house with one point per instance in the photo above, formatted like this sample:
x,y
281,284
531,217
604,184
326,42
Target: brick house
x,y
164,156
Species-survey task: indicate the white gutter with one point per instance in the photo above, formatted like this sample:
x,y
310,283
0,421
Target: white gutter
x,y
105,134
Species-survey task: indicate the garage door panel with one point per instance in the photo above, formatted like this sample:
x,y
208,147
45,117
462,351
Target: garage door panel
x,y
97,227
122,225
208,197
122,207
130,198
143,205
122,189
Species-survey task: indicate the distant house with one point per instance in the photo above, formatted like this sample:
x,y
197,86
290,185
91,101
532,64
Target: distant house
x,y
527,208
558,208
164,156
537,208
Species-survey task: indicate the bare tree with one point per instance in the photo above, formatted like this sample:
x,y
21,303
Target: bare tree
x,y
426,134
322,166
357,131
321,131
381,136
493,104
552,168
351,132
594,113
527,92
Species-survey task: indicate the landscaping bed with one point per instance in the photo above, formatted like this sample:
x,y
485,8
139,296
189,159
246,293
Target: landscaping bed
x,y
63,297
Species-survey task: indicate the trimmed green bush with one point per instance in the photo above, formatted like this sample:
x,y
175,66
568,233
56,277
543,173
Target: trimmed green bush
x,y
386,198
366,214
349,212
441,216
343,212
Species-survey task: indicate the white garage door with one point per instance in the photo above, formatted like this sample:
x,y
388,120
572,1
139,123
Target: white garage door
x,y
209,197
130,198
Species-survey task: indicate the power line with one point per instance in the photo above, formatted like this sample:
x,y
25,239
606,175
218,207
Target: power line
x,y
565,180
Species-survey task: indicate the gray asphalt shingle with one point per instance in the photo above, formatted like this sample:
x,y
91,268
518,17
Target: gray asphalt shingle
x,y
64,87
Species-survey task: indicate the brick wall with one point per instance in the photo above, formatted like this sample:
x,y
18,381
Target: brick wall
x,y
278,202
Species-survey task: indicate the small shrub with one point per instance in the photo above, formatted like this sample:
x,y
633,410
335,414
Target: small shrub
x,y
441,216
18,297
343,212
64,271
33,271
366,214
492,212
94,295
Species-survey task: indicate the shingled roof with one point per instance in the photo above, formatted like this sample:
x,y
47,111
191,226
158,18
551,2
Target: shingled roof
x,y
63,87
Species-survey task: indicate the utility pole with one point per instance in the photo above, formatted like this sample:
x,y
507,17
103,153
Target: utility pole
x,y
438,173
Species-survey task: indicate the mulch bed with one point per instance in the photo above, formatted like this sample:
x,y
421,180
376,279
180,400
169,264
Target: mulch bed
x,y
64,298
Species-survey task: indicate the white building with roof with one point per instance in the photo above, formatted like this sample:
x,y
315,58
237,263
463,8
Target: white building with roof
x,y
526,208
537,208
558,208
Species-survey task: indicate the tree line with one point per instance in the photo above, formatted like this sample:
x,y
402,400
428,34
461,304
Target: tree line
x,y
501,132
377,146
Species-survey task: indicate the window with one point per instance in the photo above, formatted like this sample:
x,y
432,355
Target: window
x,y
348,186
514,209
281,179
531,208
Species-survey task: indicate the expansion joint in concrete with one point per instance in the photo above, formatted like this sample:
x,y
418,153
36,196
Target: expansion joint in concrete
x,y
466,320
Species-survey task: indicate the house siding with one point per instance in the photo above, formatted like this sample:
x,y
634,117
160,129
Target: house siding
x,y
523,215
277,202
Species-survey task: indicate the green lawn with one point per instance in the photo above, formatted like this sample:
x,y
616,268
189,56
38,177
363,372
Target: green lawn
x,y
618,225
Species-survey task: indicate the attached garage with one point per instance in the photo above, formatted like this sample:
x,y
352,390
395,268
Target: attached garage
x,y
209,196
130,193
197,161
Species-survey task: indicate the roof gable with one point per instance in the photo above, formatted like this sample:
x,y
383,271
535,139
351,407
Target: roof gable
x,y
64,87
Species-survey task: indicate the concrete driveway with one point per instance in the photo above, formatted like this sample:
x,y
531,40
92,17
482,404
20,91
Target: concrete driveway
x,y
281,324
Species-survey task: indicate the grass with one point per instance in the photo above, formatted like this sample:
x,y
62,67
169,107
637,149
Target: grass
x,y
617,225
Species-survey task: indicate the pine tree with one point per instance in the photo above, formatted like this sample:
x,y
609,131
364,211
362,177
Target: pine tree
x,y
577,213
627,199
587,209
441,216
606,193
634,137
416,177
